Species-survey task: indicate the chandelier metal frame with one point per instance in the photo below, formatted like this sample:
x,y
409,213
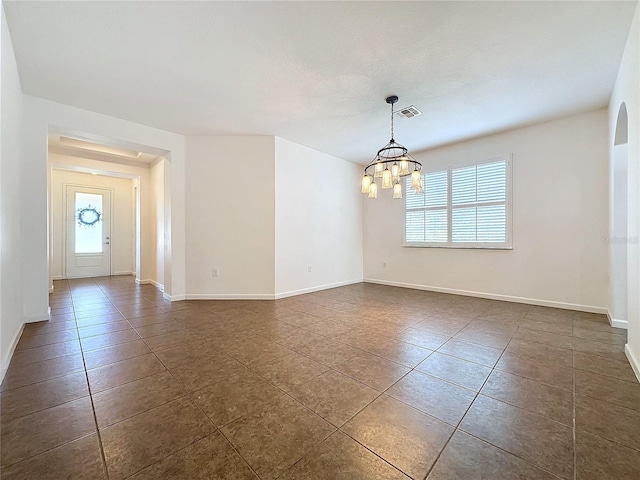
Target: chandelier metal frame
x,y
395,156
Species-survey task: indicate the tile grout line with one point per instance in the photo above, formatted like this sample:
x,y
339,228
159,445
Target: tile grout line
x,y
186,391
98,433
336,429
189,395
93,408
412,407
456,427
380,394
573,430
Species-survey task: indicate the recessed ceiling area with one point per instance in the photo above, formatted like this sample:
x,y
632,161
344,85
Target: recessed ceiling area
x,y
103,150
96,147
317,73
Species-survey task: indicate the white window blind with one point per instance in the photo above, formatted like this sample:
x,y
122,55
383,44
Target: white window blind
x,y
461,207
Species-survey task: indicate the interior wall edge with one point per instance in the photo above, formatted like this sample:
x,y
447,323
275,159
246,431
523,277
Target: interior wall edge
x,y
9,355
150,281
633,360
616,323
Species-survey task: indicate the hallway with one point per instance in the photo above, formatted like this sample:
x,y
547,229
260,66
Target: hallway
x,y
357,382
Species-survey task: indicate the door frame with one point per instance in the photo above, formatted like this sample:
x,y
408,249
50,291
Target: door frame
x,y
65,234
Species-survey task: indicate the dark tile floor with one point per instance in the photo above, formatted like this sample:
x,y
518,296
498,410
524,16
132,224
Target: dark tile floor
x,y
358,382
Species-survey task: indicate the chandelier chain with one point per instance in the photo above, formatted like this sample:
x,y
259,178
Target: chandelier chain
x,y
392,122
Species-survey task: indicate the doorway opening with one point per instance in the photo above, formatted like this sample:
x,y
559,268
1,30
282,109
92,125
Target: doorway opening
x,y
619,241
106,208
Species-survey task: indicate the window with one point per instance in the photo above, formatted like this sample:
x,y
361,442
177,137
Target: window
x,y
461,207
88,238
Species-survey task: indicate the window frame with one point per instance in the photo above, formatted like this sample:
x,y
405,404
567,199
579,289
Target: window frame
x,y
506,245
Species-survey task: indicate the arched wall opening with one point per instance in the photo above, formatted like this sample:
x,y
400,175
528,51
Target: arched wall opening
x,y
619,238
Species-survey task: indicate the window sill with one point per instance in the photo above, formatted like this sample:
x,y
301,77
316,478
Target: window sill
x,y
458,247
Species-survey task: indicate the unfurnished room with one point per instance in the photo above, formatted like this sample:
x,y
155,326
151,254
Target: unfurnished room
x,y
314,240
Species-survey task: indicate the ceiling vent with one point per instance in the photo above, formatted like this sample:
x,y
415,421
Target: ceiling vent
x,y
408,112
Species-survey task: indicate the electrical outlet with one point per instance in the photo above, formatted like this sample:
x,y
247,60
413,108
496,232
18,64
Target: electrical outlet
x,y
214,272
309,268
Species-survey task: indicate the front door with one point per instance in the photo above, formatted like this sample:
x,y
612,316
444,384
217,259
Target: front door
x,y
88,250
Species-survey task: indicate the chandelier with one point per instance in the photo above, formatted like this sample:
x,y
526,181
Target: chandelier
x,y
391,163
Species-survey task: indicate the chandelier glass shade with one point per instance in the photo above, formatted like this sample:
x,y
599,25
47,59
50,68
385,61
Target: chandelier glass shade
x,y
390,164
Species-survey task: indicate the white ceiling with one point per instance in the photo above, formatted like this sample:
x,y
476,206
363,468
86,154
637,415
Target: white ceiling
x,y
317,73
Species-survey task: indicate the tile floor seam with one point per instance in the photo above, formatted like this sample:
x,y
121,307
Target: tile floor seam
x,y
307,306
458,428
528,378
525,410
602,375
539,467
46,380
574,426
465,359
98,432
172,453
197,405
294,398
318,415
46,408
142,411
376,454
110,346
310,449
46,451
93,412
611,440
410,406
308,381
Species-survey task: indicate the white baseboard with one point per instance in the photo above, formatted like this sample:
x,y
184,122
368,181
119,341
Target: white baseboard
x,y
614,322
12,347
318,288
37,318
149,281
51,289
264,296
173,298
493,296
123,273
228,296
633,360
16,338
57,277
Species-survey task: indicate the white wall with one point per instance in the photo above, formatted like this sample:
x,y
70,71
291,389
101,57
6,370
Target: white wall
x,y
230,216
626,90
40,116
122,219
560,220
318,220
11,240
156,220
